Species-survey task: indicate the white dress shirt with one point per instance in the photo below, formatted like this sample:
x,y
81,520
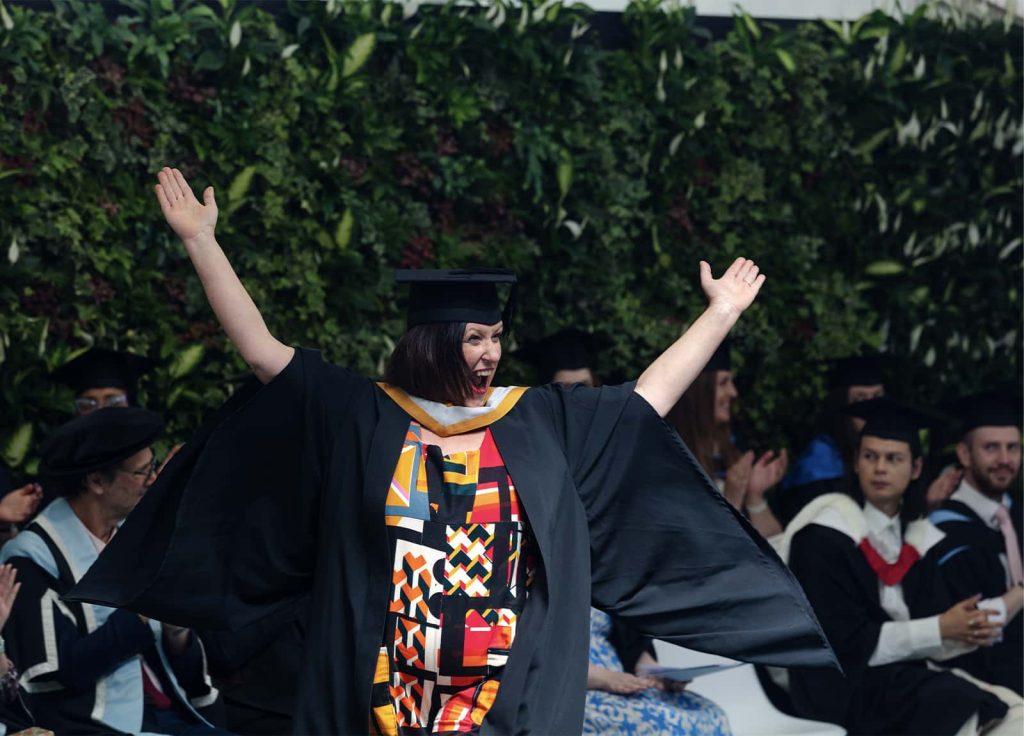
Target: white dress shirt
x,y
903,638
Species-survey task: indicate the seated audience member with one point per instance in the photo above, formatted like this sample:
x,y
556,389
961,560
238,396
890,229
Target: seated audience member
x,y
982,548
702,417
101,377
619,701
91,669
870,572
568,356
825,464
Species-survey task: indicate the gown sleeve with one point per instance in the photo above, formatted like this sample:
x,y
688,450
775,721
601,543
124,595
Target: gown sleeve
x,y
669,556
227,534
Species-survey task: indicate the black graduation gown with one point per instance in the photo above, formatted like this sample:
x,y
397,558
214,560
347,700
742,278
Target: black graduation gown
x,y
284,493
969,563
257,669
898,698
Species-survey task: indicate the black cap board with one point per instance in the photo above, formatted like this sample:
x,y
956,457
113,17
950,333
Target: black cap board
x,y
102,367
721,360
566,350
460,295
857,370
998,407
98,440
890,420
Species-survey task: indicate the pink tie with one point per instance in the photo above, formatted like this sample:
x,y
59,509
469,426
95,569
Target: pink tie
x,y
1012,546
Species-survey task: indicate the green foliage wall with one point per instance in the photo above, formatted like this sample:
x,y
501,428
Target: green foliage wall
x,y
872,169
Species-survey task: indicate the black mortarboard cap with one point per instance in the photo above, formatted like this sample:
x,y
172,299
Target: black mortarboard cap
x,y
101,367
998,407
460,295
857,370
890,420
98,440
566,350
721,360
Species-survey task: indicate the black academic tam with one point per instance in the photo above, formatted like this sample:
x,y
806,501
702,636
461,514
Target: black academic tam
x,y
284,492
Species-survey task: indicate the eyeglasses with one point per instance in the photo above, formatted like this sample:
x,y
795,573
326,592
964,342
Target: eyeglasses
x,y
86,404
145,473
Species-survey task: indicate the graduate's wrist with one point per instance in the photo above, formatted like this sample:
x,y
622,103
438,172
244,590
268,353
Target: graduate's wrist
x,y
723,312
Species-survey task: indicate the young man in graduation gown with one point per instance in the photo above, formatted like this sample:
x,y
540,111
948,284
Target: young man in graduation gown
x,y
982,522
869,571
618,511
86,668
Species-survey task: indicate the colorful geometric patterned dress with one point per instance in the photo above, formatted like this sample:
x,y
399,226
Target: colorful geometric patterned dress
x,y
647,712
462,563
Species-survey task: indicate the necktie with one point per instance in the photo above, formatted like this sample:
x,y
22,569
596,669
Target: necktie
x,y
1012,546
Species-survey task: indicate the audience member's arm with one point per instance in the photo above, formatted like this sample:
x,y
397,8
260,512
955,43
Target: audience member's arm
x,y
622,683
194,223
957,631
185,656
85,659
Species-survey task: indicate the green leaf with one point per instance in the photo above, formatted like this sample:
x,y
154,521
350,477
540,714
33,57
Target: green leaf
x,y
751,25
210,59
884,268
868,147
564,175
186,361
358,53
343,234
17,445
786,59
235,35
5,18
898,57
240,186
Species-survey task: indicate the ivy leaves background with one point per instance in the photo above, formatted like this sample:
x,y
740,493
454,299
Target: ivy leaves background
x,y
873,169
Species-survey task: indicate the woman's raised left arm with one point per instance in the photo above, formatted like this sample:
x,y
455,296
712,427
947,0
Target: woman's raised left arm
x,y
668,377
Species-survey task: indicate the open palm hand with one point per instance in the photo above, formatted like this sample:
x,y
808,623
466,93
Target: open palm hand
x,y
736,288
8,591
186,215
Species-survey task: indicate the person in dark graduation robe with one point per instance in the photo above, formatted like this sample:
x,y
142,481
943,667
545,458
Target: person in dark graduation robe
x,y
824,465
296,487
87,668
982,522
870,572
102,377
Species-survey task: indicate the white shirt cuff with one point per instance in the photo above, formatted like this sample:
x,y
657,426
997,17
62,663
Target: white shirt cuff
x,y
996,605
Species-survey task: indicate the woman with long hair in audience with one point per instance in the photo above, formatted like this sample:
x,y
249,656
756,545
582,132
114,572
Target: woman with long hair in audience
x,y
703,418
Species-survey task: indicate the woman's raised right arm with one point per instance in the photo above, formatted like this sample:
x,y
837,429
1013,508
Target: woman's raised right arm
x,y
194,222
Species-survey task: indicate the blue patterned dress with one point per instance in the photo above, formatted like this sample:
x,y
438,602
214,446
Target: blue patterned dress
x,y
648,712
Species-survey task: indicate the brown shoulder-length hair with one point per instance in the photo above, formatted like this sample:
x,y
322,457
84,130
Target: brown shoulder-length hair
x,y
427,362
693,416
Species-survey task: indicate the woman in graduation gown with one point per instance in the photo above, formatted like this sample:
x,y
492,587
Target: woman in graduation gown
x,y
871,576
378,499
